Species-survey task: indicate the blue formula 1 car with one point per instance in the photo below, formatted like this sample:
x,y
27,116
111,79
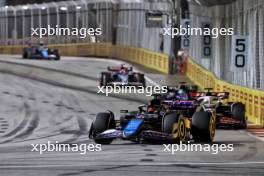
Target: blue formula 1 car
x,y
122,76
152,123
40,52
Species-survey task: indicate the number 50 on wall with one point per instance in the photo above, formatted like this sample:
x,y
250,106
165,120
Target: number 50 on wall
x,y
239,53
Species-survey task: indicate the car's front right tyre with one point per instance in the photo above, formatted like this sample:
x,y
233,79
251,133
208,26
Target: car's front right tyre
x,y
203,126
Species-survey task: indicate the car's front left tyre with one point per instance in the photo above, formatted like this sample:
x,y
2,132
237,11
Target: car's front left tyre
x,y
104,79
173,124
103,122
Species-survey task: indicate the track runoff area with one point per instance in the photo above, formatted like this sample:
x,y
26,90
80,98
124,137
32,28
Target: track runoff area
x,y
47,110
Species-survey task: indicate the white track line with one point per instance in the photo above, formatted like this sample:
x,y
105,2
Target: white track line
x,y
257,132
151,81
204,163
251,135
136,164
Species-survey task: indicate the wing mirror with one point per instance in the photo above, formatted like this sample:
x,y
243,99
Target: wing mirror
x,y
142,108
123,111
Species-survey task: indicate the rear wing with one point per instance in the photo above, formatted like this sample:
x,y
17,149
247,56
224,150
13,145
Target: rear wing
x,y
222,95
118,68
183,86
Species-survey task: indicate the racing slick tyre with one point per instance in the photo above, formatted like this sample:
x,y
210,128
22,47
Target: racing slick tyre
x,y
173,123
203,126
25,55
105,78
57,58
142,79
239,112
103,121
54,52
138,77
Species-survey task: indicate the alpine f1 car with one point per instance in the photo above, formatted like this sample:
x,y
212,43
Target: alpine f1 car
x,y
152,124
122,76
40,52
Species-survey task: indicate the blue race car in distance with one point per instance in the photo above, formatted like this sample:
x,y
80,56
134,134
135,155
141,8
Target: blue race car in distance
x,y
40,52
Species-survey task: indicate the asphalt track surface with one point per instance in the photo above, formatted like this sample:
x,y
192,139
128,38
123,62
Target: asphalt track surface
x,y
45,101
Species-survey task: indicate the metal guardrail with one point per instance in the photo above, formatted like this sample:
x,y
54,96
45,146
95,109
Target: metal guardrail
x,y
253,99
140,56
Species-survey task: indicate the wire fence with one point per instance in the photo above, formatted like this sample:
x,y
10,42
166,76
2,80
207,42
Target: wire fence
x,y
246,18
126,22
122,22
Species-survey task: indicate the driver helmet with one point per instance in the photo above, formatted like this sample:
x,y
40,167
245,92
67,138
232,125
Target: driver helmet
x,y
170,95
153,106
181,94
123,71
151,109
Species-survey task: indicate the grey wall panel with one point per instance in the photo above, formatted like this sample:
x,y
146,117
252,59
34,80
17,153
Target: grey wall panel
x,y
246,18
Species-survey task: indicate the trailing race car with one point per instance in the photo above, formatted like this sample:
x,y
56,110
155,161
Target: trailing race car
x,y
228,114
186,97
122,76
153,125
40,52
